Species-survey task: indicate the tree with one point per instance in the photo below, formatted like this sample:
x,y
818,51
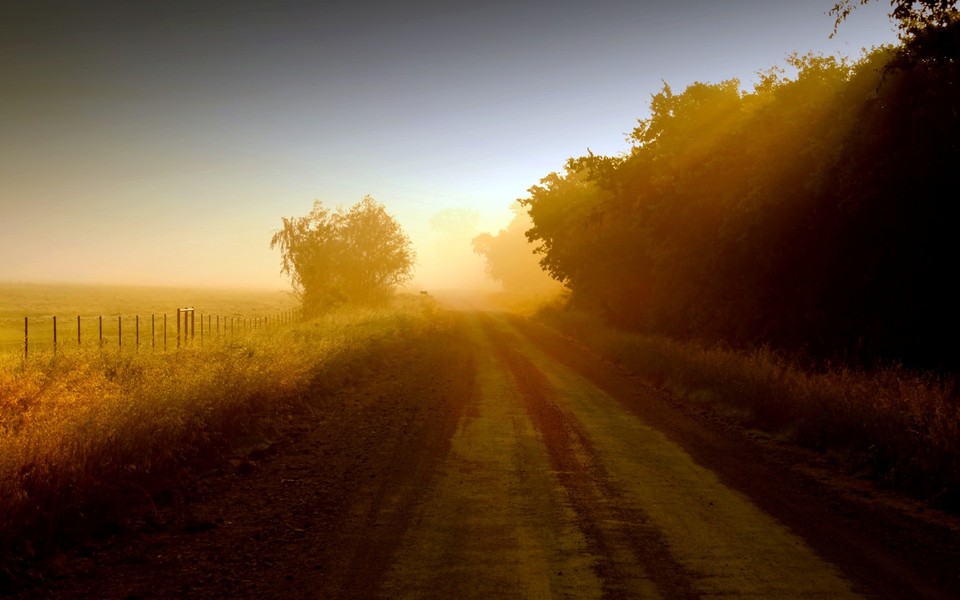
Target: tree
x,y
357,255
510,258
913,17
815,214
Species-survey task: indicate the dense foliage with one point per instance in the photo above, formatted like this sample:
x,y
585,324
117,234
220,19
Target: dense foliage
x,y
354,256
814,213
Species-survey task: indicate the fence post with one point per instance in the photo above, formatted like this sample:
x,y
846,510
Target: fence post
x,y
100,320
193,324
119,332
178,329
26,337
138,333
164,332
54,335
153,332
78,331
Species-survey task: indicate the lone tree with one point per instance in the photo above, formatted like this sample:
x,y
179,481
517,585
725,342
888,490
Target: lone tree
x,y
355,256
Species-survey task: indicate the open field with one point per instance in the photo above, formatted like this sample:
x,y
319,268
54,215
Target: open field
x,y
86,435
41,302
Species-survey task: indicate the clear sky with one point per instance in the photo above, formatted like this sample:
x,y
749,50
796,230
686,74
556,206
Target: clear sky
x,y
162,142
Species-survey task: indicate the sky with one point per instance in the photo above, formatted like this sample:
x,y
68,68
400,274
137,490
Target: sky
x,y
161,143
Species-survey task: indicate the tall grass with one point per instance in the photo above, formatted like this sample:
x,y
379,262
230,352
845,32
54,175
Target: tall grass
x,y
85,433
898,427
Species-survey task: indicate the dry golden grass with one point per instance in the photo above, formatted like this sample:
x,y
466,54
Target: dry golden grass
x,y
84,433
898,427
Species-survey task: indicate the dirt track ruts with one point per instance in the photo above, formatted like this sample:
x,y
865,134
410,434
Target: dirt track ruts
x,y
509,462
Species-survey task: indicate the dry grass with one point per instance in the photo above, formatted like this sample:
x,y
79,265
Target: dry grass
x,y
895,426
86,433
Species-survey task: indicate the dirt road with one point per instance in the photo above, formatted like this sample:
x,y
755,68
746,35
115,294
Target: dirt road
x,y
508,462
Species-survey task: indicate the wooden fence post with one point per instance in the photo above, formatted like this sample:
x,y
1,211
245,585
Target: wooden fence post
x,y
100,320
138,333
164,332
178,329
119,332
153,332
78,331
26,337
54,335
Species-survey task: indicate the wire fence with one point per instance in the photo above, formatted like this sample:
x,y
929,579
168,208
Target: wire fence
x,y
187,327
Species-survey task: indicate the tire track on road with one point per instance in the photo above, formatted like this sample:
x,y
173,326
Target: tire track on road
x,y
626,546
495,523
886,555
724,544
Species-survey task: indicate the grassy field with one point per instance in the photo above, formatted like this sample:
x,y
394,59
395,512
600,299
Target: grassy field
x,y
86,434
900,428
41,302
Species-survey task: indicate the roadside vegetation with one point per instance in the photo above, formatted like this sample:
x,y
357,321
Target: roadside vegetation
x,y
896,426
783,253
812,214
87,436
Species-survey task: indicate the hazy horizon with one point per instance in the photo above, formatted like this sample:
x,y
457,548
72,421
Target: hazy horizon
x,y
161,144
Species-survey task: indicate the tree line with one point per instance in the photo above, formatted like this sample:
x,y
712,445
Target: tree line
x,y
813,213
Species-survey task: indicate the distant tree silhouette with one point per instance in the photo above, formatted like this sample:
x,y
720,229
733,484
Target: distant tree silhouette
x,y
510,258
357,255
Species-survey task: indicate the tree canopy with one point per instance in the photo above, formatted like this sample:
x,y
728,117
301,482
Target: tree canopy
x,y
814,213
912,16
357,255
929,29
